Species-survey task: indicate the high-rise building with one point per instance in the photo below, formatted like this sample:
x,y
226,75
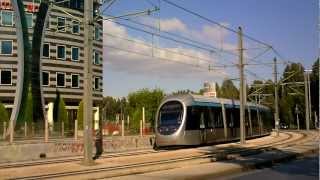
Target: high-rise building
x,y
62,60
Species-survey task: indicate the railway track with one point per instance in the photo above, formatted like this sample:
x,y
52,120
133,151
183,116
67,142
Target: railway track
x,y
76,159
287,142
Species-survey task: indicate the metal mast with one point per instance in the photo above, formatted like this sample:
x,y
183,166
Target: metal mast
x,y
242,88
87,95
276,106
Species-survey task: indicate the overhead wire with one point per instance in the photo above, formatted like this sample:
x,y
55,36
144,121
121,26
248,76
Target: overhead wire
x,y
214,22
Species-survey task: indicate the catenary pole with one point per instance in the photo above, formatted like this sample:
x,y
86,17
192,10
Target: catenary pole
x,y
309,101
306,97
87,95
276,104
242,85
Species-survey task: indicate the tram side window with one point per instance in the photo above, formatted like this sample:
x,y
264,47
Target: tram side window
x,y
210,118
218,120
236,115
254,118
267,119
193,118
230,118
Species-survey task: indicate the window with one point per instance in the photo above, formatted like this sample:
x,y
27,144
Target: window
x,y
75,80
29,20
61,24
97,83
61,52
97,33
7,18
6,77
75,27
61,81
75,53
45,78
46,50
96,58
6,47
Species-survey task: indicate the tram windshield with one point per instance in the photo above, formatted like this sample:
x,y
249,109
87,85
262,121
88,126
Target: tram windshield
x,y
170,114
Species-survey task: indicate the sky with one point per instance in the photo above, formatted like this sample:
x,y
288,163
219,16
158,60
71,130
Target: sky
x,y
135,59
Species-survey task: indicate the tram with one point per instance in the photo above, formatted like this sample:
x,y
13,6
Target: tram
x,y
183,120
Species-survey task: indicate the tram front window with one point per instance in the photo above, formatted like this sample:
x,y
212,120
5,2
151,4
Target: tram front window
x,y
170,117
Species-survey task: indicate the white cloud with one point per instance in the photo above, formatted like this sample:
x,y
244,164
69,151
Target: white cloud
x,y
172,24
125,56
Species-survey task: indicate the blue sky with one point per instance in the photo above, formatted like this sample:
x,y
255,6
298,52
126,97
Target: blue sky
x,y
290,26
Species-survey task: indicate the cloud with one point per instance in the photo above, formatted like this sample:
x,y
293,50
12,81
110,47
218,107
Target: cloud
x,y
172,24
133,55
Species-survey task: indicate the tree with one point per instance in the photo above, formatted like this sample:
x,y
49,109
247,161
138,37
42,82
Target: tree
x,y
228,90
314,87
4,115
28,113
218,90
80,116
60,113
150,99
292,95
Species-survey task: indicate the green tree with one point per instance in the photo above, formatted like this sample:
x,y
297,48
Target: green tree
x,y
229,90
292,95
60,113
80,116
28,113
218,90
150,99
4,114
314,87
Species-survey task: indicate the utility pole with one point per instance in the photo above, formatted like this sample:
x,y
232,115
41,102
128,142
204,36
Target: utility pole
x,y
306,100
309,99
276,107
242,88
87,95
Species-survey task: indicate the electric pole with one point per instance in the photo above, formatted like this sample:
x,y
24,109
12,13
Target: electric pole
x,y
276,107
87,95
309,99
306,100
242,88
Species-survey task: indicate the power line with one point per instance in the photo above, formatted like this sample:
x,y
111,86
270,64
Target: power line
x,y
167,50
159,58
214,22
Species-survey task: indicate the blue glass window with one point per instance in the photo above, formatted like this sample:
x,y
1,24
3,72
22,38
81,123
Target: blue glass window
x,y
6,47
97,33
61,24
7,18
29,20
61,52
96,58
76,27
75,53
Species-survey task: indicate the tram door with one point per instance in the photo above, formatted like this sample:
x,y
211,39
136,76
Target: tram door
x,y
203,137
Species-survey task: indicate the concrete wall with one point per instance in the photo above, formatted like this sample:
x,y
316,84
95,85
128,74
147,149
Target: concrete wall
x,y
24,151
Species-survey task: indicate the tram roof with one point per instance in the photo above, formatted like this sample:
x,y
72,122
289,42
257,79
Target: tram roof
x,y
199,100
